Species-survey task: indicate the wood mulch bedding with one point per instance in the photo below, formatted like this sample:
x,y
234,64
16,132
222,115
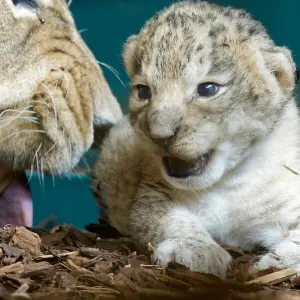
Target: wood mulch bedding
x,y
68,264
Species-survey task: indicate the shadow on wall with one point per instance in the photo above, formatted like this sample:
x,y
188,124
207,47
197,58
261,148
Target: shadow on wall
x,y
105,25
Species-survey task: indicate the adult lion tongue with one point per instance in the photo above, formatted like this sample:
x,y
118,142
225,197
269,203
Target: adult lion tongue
x,y
15,198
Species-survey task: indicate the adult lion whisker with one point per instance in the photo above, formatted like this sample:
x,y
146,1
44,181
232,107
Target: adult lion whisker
x,y
109,67
113,70
37,162
42,174
20,112
41,102
17,117
20,131
32,163
70,149
31,169
51,172
50,149
66,79
83,30
12,118
17,111
52,99
67,175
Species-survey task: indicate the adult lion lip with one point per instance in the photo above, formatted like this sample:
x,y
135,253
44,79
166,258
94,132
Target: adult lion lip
x,y
179,168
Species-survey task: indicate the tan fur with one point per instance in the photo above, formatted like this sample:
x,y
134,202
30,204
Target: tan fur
x,y
53,93
247,133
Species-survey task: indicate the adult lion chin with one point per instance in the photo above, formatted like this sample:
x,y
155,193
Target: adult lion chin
x,y
53,96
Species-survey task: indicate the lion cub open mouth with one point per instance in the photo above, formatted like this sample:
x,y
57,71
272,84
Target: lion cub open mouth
x,y
179,168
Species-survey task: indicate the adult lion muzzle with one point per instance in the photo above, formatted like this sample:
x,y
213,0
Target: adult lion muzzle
x,y
53,93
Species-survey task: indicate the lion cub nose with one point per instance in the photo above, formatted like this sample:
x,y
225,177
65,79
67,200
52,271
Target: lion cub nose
x,y
161,133
162,126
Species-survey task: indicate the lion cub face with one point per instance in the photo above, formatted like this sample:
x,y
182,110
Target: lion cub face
x,y
207,85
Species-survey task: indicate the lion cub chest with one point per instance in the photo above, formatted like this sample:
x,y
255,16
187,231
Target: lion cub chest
x,y
232,217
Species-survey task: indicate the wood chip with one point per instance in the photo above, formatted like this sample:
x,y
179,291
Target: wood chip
x,y
66,264
23,288
36,268
53,239
103,267
274,278
49,256
90,252
26,240
11,251
77,268
16,268
65,280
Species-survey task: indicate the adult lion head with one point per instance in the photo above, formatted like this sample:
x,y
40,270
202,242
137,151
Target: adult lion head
x,y
53,93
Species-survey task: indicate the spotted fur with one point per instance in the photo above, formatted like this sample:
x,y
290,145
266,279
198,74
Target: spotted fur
x,y
53,93
247,195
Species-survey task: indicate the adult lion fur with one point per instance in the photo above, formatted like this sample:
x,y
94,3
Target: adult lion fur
x,y
53,93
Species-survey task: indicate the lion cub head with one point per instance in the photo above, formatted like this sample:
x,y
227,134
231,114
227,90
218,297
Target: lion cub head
x,y
53,94
207,84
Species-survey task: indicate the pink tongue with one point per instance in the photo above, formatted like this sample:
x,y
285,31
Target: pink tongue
x,y
16,203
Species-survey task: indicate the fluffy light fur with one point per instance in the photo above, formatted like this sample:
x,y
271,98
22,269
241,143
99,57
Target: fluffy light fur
x,y
53,93
249,193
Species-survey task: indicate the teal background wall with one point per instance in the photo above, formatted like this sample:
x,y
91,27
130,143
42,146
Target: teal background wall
x,y
105,25
110,22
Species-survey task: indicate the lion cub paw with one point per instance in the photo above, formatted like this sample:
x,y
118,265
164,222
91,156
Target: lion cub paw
x,y
284,255
197,256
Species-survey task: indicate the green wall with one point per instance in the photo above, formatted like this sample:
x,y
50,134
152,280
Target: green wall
x,y
108,24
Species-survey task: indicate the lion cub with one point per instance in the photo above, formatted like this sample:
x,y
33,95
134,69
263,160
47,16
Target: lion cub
x,y
209,151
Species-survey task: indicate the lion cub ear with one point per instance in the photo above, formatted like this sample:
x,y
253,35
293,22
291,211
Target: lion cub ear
x,y
280,62
129,54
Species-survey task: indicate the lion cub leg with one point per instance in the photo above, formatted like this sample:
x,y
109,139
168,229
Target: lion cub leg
x,y
177,234
284,253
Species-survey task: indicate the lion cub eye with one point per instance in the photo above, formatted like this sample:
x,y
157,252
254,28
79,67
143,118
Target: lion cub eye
x,y
29,3
208,89
144,92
